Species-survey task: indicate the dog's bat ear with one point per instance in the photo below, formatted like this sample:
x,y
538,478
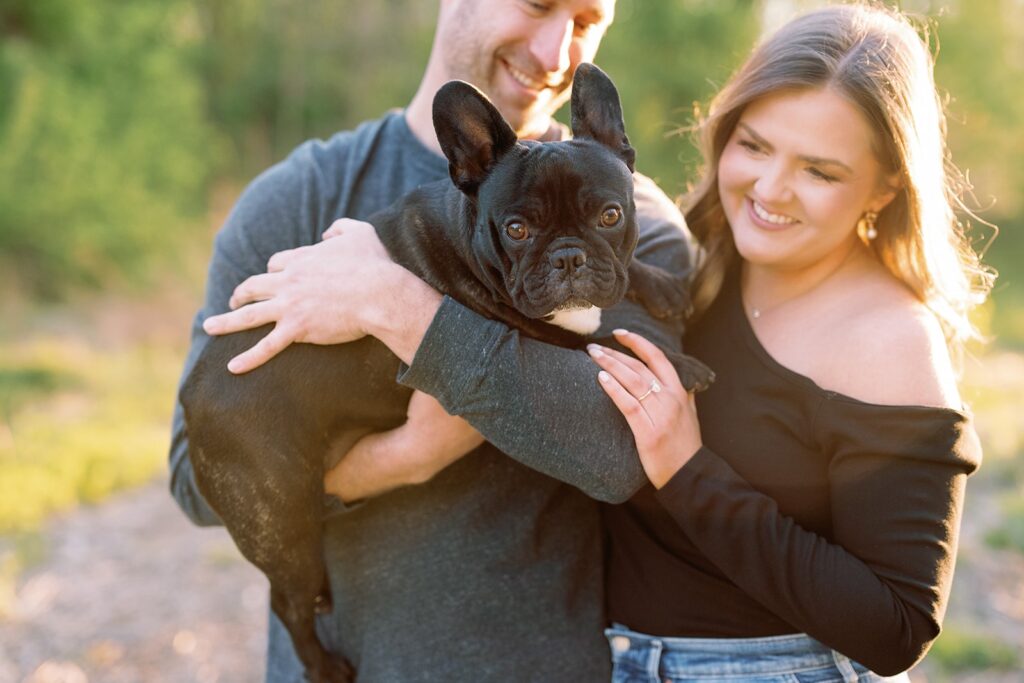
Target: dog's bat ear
x,y
472,133
597,112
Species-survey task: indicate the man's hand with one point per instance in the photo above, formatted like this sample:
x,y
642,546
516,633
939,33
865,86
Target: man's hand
x,y
429,441
335,291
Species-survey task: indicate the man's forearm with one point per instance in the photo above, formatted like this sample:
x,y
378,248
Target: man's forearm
x,y
401,316
373,466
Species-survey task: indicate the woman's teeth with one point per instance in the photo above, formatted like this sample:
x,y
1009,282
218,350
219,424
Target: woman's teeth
x,y
773,218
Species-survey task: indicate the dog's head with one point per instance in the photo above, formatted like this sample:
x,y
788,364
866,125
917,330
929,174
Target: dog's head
x,y
555,223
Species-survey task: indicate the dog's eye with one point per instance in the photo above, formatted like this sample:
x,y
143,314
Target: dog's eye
x,y
517,230
611,216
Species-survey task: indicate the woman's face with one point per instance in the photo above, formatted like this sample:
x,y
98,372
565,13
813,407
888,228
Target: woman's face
x,y
796,175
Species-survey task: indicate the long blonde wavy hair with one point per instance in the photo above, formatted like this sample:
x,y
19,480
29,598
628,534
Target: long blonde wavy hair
x,y
875,58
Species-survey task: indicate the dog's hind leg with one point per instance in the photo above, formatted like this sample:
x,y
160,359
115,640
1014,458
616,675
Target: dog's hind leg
x,y
277,524
296,612
298,581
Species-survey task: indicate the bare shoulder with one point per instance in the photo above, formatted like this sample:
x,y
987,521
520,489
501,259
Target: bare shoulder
x,y
892,351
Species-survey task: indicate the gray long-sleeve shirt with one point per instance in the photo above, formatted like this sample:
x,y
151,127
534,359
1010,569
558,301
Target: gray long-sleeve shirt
x,y
492,571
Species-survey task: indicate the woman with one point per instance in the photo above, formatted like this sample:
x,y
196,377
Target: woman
x,y
805,527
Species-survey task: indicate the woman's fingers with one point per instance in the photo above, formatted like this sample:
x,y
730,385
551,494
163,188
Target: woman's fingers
x,y
653,357
637,418
628,372
629,361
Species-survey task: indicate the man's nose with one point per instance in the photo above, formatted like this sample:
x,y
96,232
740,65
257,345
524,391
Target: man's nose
x,y
551,44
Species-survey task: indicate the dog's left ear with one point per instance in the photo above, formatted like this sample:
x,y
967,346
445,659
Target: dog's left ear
x,y
597,112
472,133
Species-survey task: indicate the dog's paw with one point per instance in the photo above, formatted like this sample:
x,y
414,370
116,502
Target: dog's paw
x,y
664,295
694,375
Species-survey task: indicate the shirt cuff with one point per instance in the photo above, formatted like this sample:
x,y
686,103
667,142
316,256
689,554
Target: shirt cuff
x,y
692,486
453,355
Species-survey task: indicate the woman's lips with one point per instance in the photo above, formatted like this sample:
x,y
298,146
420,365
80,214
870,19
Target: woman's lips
x,y
767,219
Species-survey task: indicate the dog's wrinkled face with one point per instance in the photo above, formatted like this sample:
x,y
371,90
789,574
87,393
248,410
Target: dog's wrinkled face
x,y
558,221
555,224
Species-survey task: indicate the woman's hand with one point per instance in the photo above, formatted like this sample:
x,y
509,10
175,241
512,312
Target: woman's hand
x,y
660,412
326,293
428,442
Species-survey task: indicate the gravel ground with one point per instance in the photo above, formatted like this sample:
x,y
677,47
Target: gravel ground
x,y
131,592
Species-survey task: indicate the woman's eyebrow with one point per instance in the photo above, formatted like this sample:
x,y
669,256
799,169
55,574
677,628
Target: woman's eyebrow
x,y
817,161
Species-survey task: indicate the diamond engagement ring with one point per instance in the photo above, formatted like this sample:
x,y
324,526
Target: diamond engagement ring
x,y
655,388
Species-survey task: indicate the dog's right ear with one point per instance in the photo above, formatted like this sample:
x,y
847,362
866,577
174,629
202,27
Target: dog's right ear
x,y
472,133
597,112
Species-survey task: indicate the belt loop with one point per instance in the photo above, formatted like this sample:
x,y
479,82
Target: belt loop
x,y
845,667
654,660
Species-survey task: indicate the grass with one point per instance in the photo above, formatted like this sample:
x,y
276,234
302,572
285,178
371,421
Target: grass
x,y
78,423
960,649
21,384
1009,534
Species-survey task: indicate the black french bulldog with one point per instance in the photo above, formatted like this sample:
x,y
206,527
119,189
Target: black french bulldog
x,y
537,235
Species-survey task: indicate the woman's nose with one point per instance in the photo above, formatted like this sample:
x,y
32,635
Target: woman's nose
x,y
773,184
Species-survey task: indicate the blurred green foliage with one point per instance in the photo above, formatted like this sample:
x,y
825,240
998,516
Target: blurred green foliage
x,y
104,145
980,65
666,58
1010,532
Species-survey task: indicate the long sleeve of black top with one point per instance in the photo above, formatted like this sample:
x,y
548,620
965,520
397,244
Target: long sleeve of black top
x,y
875,589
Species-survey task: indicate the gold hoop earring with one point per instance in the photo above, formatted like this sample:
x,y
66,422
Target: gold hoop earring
x,y
866,230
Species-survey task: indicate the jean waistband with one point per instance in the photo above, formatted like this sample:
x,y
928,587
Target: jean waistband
x,y
729,656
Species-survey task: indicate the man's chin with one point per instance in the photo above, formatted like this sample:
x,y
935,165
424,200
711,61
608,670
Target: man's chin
x,y
531,119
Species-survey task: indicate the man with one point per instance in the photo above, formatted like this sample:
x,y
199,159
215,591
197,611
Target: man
x,y
490,569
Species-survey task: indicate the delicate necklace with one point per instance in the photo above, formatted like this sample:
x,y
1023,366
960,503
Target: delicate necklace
x,y
757,311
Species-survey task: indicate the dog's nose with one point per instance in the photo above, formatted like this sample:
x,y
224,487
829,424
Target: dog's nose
x,y
568,259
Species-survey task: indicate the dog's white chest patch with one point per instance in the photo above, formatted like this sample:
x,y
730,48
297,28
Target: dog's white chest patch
x,y
578,320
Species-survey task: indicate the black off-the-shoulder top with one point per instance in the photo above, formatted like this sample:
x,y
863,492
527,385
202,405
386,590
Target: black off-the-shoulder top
x,y
805,511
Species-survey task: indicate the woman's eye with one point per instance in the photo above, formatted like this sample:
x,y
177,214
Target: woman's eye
x,y
611,216
749,146
517,230
821,175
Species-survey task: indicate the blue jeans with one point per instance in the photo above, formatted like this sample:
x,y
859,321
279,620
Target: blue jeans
x,y
639,658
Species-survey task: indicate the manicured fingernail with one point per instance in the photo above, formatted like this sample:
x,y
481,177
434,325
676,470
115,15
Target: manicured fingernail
x,y
209,325
234,365
603,376
620,331
595,350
